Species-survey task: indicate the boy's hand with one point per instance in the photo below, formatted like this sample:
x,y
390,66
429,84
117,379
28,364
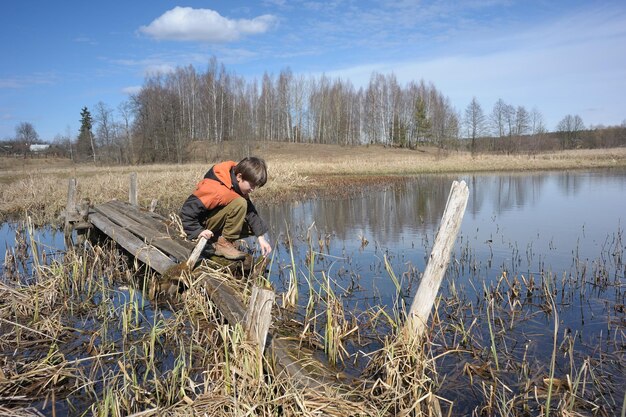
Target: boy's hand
x,y
207,234
265,246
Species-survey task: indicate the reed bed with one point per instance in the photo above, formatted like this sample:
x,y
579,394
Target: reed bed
x,y
497,349
79,335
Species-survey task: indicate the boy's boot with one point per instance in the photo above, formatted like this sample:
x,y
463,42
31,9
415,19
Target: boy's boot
x,y
225,248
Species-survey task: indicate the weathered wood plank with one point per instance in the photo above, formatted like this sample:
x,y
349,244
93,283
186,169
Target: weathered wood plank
x,y
142,216
301,364
287,354
149,219
145,253
195,254
151,236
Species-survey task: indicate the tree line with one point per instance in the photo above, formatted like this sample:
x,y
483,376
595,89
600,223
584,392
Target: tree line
x,y
172,110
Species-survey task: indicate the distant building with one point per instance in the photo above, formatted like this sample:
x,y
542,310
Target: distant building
x,y
39,148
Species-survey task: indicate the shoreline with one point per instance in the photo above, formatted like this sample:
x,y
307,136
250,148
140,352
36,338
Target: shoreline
x,y
297,171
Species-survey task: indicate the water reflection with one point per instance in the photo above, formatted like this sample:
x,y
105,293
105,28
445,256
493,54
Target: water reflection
x,y
519,223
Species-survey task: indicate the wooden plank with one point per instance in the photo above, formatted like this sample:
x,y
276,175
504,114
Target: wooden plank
x,y
148,234
287,354
144,217
195,254
129,212
152,220
301,364
438,261
145,253
228,301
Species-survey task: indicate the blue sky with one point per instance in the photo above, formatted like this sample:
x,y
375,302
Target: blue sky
x,y
562,57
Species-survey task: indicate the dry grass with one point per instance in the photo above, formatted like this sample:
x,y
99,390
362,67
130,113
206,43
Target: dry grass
x,y
39,186
79,331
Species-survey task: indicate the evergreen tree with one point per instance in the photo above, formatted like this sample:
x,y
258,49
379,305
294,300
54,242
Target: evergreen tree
x,y
84,144
422,122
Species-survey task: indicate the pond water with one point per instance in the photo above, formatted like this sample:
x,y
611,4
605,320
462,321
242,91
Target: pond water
x,y
564,225
519,223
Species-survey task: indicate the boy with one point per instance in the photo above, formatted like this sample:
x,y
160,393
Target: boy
x,y
220,209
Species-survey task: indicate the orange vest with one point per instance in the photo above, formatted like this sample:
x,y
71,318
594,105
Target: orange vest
x,y
217,193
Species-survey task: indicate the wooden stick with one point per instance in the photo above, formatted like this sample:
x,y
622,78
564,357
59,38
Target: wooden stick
x,y
195,254
438,261
132,191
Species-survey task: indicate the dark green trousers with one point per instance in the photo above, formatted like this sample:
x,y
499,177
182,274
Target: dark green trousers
x,y
230,220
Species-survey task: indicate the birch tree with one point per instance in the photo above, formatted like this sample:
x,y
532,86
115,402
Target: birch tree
x,y
474,122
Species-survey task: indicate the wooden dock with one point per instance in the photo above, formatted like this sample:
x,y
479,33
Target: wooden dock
x,y
157,243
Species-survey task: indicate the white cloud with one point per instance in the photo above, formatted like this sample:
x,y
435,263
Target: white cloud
x,y
555,66
188,24
134,89
27,80
156,69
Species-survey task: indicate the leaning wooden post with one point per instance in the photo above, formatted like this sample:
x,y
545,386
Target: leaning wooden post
x,y
70,212
438,261
132,191
259,316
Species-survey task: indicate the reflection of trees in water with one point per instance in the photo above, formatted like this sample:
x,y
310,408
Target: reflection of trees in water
x,y
418,204
380,214
504,192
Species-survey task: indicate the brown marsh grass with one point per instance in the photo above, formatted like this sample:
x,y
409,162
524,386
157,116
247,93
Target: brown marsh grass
x,y
79,336
296,171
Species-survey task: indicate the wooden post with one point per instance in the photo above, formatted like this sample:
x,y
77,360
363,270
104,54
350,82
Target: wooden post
x,y
132,191
438,261
70,208
195,254
83,225
259,315
153,205
70,212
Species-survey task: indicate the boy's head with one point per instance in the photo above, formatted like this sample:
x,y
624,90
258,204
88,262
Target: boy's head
x,y
252,170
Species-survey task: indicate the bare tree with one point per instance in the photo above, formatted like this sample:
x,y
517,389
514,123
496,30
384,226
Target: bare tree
x,y
522,121
474,122
569,129
537,125
103,119
26,134
124,138
498,120
175,108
